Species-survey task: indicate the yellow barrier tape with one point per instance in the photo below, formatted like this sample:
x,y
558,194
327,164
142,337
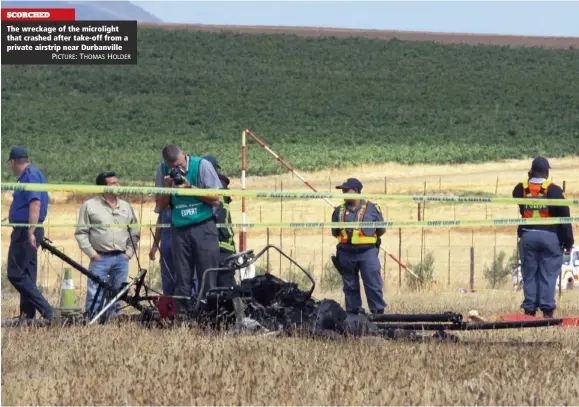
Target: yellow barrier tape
x,y
329,225
98,189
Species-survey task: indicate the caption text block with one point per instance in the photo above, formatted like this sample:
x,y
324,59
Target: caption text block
x,y
69,42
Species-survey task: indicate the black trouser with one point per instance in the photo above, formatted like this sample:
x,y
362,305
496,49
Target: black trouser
x,y
195,249
23,272
225,278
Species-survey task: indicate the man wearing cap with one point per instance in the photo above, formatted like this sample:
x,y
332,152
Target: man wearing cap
x,y
357,250
195,239
28,207
226,236
108,248
541,246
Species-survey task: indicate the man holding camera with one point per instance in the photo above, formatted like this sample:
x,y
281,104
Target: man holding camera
x,y
194,236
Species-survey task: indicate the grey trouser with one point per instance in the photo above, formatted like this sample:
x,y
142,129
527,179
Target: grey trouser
x,y
541,262
195,249
225,278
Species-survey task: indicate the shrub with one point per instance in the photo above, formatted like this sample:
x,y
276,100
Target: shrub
x,y
497,274
424,270
331,279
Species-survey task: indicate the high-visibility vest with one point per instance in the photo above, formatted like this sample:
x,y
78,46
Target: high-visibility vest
x,y
358,236
189,210
226,236
531,190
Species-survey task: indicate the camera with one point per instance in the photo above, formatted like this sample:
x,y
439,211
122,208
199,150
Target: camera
x,y
176,173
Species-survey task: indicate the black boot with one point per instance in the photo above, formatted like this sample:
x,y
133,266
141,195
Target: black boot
x,y
531,313
547,313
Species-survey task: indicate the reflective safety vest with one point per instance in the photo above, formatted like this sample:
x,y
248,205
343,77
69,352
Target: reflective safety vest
x,y
535,191
189,210
223,215
358,236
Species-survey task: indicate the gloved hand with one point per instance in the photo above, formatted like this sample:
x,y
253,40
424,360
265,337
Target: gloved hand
x,y
378,243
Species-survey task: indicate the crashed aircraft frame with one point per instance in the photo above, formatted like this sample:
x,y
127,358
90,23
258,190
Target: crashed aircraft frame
x,y
267,304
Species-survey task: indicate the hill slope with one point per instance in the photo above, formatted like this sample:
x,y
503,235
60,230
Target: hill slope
x,y
93,10
323,102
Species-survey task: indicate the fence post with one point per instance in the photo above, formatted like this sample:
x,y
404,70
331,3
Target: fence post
x,y
268,265
400,257
563,186
471,282
281,220
384,268
497,186
448,276
419,211
385,185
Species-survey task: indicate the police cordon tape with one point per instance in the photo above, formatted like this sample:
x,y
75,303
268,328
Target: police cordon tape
x,y
329,225
98,189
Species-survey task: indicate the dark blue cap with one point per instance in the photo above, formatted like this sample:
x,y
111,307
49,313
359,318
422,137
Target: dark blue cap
x,y
351,183
540,164
17,153
213,161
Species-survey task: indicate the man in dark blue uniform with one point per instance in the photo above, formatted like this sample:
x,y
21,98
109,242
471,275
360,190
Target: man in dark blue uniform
x,y
541,246
357,251
27,207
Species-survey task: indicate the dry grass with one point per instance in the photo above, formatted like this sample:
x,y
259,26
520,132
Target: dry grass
x,y
136,366
107,365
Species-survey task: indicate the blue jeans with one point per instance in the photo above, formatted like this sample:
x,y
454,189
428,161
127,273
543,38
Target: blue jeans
x,y
111,268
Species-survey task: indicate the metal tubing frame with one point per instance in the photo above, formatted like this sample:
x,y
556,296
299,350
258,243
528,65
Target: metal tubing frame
x,y
202,291
465,326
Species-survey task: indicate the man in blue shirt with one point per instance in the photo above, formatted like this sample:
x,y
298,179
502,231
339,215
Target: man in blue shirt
x,y
357,251
27,207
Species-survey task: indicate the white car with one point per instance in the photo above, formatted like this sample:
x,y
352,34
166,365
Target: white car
x,y
569,272
570,269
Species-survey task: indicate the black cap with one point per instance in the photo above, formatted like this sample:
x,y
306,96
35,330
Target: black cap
x,y
540,164
17,153
101,179
213,161
351,183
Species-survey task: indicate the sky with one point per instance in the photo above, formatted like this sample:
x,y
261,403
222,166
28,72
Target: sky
x,y
546,18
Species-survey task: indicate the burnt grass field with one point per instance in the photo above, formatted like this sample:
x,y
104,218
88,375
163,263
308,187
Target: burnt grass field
x,y
321,102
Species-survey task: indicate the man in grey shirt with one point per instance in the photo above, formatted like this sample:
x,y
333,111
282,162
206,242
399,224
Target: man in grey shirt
x,y
108,248
194,236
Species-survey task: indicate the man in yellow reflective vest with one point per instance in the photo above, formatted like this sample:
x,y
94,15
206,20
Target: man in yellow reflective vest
x,y
541,246
226,236
357,251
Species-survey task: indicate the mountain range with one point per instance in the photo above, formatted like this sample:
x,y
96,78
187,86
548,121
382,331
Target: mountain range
x,y
93,10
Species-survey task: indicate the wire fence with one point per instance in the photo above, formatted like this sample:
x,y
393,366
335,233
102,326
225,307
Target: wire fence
x,y
460,256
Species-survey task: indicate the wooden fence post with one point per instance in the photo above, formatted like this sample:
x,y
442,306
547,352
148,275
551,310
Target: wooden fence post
x,y
281,220
471,282
448,276
385,185
400,257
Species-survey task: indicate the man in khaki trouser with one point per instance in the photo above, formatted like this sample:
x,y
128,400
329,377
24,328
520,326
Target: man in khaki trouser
x,y
109,248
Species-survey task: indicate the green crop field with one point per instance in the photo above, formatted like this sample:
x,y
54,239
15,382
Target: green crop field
x,y
320,102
